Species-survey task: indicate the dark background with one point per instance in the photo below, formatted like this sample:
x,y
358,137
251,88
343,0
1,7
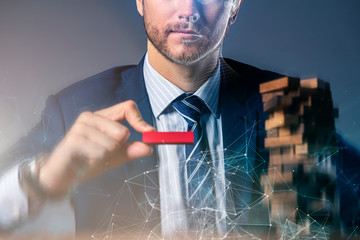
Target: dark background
x,y
46,45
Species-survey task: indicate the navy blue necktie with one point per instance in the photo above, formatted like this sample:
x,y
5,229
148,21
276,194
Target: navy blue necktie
x,y
198,166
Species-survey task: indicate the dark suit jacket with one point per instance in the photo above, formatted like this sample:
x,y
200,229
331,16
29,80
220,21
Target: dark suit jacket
x,y
127,198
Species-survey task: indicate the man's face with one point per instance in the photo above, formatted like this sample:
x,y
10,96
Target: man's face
x,y
186,31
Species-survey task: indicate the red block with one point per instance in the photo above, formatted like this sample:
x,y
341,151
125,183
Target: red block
x,y
168,137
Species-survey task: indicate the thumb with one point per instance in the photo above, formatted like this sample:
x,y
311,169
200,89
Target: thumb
x,y
134,150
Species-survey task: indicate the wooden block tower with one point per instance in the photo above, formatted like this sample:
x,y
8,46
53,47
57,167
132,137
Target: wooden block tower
x,y
301,140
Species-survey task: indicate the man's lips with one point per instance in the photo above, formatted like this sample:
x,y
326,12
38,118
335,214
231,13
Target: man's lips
x,y
186,33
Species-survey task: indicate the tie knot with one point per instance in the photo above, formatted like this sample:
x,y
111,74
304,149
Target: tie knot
x,y
190,107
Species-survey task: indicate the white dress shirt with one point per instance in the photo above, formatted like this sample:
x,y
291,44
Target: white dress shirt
x,y
13,201
161,94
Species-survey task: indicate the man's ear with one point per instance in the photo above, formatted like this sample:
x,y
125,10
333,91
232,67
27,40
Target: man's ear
x,y
140,7
235,13
233,16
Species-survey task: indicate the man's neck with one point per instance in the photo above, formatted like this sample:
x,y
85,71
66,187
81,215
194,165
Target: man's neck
x,y
188,78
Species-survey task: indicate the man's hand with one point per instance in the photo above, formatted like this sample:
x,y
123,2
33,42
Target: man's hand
x,y
95,143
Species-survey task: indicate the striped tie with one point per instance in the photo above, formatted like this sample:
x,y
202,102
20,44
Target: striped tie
x,y
198,165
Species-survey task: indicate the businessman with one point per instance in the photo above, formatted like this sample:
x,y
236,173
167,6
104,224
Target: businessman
x,y
88,143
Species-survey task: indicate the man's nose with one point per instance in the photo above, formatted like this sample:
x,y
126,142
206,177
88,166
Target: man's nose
x,y
188,10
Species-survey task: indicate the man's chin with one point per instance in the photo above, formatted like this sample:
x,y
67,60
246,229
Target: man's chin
x,y
185,57
182,53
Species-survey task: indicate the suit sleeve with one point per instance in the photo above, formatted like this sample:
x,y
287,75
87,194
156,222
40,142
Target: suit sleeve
x,y
41,139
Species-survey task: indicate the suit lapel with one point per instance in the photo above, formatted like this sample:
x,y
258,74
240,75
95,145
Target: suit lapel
x,y
239,125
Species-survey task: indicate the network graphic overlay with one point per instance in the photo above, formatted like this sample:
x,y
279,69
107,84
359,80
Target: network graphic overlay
x,y
262,200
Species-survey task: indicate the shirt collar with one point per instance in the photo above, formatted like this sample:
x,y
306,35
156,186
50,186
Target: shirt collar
x,y
162,92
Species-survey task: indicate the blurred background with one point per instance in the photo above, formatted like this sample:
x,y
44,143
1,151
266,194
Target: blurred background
x,y
47,45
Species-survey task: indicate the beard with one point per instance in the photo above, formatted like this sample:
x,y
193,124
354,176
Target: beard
x,y
190,52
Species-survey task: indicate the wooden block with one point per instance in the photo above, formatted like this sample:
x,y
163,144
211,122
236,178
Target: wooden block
x,y
291,130
284,141
287,151
275,157
278,84
267,96
272,132
280,113
278,102
285,92
276,177
288,158
288,177
280,119
273,123
287,120
302,148
275,160
284,131
285,157
283,205
314,83
274,151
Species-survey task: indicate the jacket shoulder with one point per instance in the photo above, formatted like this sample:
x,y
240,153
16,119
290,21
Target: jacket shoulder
x,y
97,84
247,71
91,94
244,78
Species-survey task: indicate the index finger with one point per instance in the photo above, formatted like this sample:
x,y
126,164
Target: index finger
x,y
126,111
